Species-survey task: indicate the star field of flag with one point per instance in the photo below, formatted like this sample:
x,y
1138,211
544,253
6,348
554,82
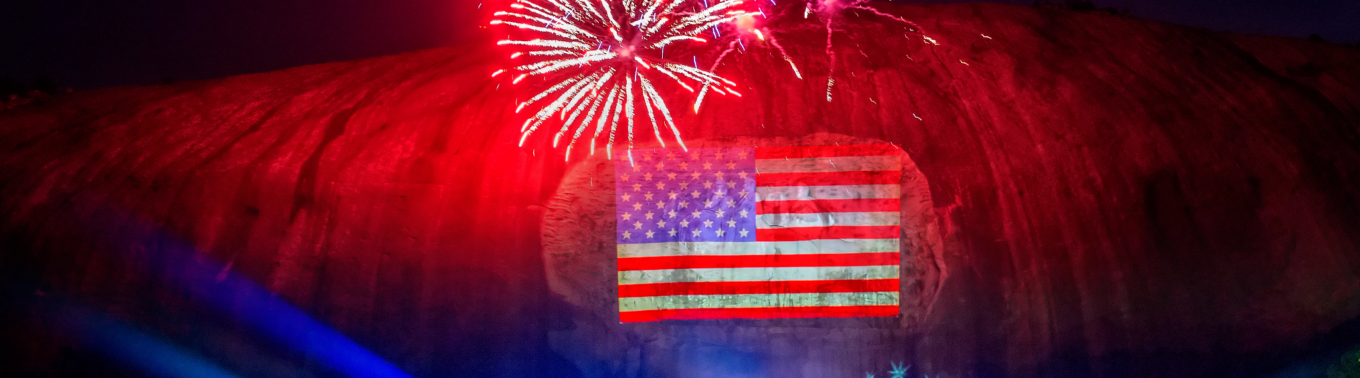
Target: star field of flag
x,y
700,195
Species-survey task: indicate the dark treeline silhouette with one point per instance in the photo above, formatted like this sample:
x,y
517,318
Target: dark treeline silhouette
x,y
15,93
1080,6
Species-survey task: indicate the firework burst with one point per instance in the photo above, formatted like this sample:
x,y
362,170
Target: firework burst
x,y
600,58
830,10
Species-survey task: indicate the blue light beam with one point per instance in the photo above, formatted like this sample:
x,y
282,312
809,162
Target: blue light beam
x,y
253,305
125,344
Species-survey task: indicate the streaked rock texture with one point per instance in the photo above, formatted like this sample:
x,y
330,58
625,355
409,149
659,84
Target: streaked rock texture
x,y
1116,198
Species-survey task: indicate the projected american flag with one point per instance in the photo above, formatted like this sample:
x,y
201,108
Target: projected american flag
x,y
767,232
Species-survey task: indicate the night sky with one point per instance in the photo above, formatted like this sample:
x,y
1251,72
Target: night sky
x,y
89,44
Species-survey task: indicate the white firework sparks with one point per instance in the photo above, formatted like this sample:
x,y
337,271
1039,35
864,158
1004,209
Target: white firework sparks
x,y
602,56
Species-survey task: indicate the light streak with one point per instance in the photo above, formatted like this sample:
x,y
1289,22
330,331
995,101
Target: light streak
x,y
830,12
831,54
597,56
775,41
830,81
128,345
209,284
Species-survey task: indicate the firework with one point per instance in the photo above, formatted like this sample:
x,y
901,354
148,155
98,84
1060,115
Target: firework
x,y
747,27
830,10
601,58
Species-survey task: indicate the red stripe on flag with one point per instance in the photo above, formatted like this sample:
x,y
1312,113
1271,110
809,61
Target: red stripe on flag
x,y
826,151
830,232
757,287
758,261
829,206
758,313
829,178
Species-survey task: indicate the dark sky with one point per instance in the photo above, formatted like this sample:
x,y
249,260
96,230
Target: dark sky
x,y
98,43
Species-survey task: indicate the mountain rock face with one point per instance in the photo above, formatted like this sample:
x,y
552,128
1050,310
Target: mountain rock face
x,y
1110,197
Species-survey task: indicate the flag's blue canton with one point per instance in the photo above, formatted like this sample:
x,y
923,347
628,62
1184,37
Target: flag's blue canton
x,y
700,195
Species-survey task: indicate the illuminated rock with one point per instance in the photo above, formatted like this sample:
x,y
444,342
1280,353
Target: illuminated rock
x,y
1115,197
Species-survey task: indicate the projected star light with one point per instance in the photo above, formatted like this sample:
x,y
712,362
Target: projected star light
x,y
899,371
600,58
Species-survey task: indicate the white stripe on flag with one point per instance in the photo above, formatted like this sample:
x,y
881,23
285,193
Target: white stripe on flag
x,y
827,219
758,248
830,164
827,192
875,298
758,274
